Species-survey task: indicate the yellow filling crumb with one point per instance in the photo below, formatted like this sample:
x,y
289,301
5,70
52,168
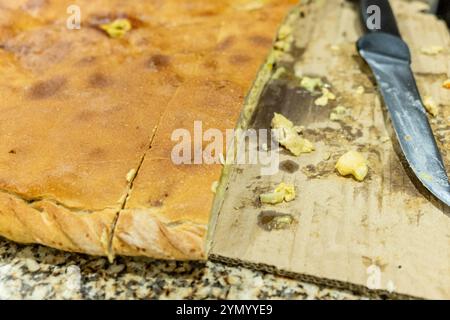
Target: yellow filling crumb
x,y
284,192
118,28
311,84
250,5
446,84
214,186
285,31
430,106
130,175
286,134
326,96
284,45
360,90
335,48
353,163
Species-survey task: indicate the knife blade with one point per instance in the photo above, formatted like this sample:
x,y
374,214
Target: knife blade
x,y
389,58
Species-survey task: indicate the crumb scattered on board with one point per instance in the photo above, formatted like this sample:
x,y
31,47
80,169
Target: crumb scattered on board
x,y
430,105
327,95
311,84
284,192
446,84
287,135
353,163
360,90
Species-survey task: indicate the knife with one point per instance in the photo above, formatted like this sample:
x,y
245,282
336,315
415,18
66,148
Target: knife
x,y
390,60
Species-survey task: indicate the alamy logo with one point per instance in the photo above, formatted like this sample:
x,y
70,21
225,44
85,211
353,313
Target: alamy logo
x,y
73,22
254,147
374,17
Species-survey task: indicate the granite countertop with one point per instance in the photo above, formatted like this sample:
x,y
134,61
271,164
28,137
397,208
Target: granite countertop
x,y
36,272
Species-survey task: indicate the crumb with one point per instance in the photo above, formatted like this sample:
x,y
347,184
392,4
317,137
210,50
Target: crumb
x,y
326,96
284,192
430,105
285,31
130,175
214,186
311,84
118,28
252,5
360,90
335,48
390,287
288,137
446,84
353,163
327,156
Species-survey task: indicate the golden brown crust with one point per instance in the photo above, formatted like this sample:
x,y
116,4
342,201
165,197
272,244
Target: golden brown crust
x,y
143,233
84,110
50,224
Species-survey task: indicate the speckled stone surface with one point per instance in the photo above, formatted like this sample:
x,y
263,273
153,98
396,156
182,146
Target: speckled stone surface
x,y
36,272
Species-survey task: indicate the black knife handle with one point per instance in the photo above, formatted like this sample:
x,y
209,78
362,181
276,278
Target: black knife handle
x,y
377,16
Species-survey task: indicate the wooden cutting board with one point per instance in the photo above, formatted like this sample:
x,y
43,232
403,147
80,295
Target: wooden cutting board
x,y
382,236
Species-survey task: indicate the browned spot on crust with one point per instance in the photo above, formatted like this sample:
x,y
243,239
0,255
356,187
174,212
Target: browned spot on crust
x,y
98,80
157,203
261,41
158,62
48,88
239,59
85,115
97,153
87,60
210,64
207,13
12,151
226,43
